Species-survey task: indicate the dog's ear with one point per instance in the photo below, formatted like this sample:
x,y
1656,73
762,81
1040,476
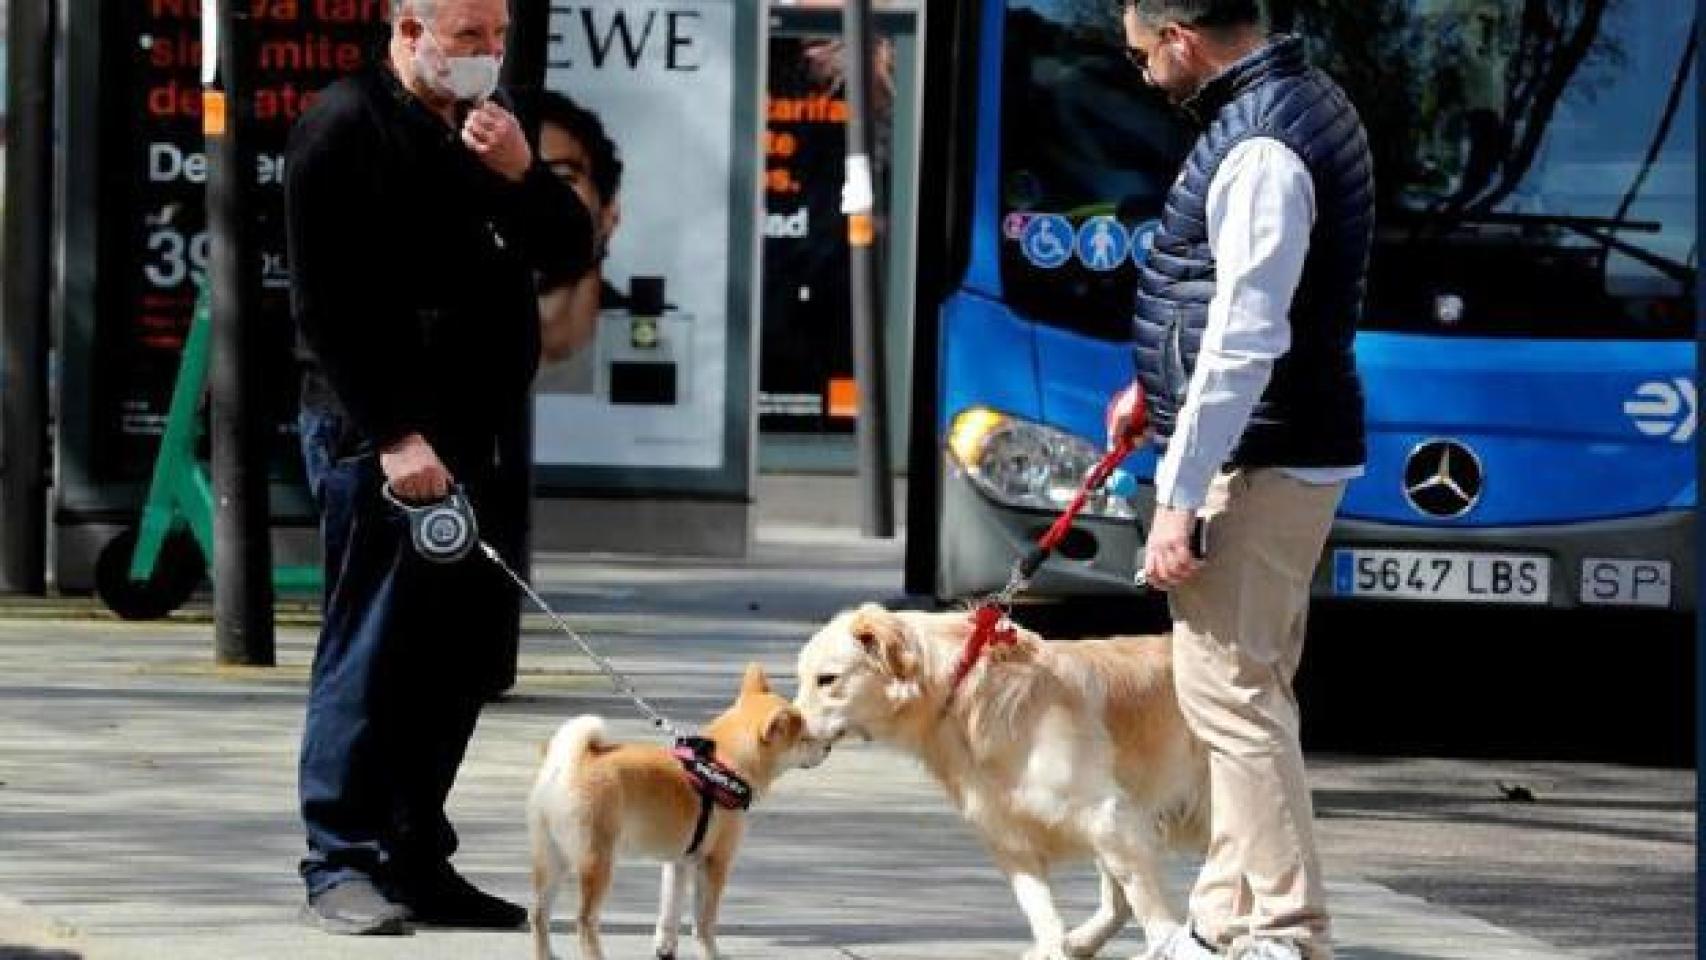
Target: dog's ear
x,y
883,637
784,724
755,682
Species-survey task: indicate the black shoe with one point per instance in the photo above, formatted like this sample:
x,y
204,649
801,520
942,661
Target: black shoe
x,y
355,907
444,899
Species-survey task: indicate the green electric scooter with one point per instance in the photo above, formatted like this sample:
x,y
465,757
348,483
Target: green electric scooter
x,y
151,569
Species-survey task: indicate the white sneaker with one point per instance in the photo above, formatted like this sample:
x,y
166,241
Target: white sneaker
x,y
1265,948
1182,945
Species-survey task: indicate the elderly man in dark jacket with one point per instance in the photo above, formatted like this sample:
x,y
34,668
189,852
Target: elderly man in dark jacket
x,y
417,219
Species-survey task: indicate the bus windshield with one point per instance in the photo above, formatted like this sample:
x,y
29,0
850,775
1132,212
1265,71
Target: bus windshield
x,y
1535,161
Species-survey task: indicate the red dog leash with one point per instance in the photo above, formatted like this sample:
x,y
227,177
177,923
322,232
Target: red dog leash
x,y
989,617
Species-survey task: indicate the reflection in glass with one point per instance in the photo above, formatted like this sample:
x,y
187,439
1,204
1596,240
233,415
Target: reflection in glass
x,y
1535,160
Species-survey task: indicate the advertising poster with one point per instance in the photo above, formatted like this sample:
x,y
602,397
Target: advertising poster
x,y
806,361
640,377
152,244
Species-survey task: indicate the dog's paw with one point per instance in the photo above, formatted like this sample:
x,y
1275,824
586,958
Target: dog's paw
x,y
1088,938
1081,946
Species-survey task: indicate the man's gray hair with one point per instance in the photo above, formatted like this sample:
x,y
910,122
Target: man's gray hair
x,y
1208,14
424,10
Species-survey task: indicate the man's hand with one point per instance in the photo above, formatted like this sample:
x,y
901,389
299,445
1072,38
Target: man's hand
x,y
1127,415
414,471
495,137
1167,557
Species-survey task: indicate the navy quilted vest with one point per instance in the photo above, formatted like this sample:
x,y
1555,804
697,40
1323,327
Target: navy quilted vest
x,y
1312,411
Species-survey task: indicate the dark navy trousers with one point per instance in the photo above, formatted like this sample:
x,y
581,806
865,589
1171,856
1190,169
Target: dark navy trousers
x,y
407,655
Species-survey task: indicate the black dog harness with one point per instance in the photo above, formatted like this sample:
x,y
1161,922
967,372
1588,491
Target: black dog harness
x,y
716,784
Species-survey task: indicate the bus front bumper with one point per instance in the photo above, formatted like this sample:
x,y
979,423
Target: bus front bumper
x,y
1591,563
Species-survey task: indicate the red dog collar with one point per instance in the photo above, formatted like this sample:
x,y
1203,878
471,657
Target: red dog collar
x,y
987,630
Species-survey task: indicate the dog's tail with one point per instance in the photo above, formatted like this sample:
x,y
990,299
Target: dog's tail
x,y
567,750
574,739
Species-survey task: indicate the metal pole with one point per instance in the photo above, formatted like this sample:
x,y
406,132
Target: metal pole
x,y
524,74
28,278
524,57
858,202
523,77
242,563
947,103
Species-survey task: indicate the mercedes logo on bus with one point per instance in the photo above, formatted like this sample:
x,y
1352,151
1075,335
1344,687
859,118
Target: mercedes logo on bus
x,y
1442,478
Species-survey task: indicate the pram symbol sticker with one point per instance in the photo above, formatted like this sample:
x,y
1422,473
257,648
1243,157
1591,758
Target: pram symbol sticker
x,y
1143,240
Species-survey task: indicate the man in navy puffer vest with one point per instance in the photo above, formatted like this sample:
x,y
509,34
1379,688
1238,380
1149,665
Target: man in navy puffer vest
x,y
1245,314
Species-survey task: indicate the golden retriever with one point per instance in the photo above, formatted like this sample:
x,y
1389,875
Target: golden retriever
x,y
1052,751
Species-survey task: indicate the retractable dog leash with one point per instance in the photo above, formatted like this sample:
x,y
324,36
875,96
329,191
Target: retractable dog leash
x,y
616,677
445,531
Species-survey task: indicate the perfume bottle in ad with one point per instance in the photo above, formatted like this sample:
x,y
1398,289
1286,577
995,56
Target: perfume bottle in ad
x,y
645,311
644,351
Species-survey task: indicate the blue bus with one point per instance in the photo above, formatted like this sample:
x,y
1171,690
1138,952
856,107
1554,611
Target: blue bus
x,y
1528,347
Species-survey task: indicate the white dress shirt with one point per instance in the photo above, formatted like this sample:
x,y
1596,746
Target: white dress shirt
x,y
1261,210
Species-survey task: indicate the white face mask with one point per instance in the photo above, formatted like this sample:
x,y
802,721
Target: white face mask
x,y
461,78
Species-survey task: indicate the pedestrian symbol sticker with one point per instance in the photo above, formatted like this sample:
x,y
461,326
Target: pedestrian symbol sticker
x,y
1143,240
1047,241
1102,243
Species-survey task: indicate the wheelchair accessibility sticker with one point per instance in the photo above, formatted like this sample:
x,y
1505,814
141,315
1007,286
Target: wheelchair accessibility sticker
x,y
1102,243
1047,241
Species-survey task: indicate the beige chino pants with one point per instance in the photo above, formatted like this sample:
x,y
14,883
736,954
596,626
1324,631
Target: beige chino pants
x,y
1237,639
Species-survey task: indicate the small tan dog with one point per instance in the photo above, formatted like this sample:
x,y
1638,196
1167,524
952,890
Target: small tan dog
x,y
595,801
1052,751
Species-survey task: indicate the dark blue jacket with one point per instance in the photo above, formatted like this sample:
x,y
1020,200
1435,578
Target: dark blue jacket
x,y
1311,413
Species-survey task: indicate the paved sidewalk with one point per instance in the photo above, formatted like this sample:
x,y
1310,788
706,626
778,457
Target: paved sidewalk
x,y
147,798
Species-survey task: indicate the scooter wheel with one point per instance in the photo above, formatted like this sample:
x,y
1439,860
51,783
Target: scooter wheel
x,y
178,571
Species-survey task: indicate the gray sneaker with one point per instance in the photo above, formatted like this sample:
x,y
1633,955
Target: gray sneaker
x,y
1266,948
354,908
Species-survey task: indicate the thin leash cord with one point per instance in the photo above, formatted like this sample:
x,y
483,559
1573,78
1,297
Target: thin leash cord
x,y
617,680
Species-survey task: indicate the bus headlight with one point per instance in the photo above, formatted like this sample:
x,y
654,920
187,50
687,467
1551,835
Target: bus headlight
x,y
1026,464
